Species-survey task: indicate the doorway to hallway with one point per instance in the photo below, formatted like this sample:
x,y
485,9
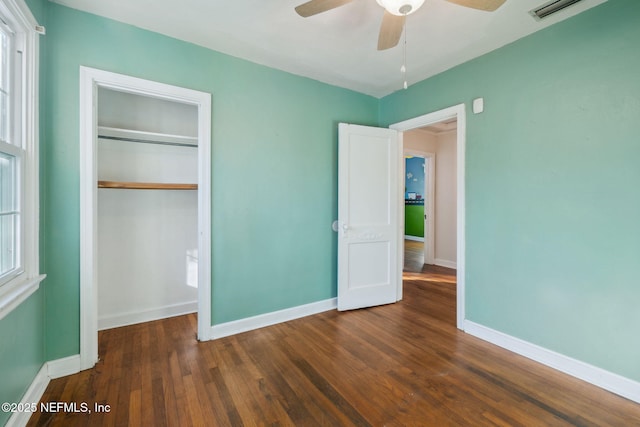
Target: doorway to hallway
x,y
457,112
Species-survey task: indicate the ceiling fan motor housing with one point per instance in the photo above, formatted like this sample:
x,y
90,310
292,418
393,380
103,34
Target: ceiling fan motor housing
x,y
401,7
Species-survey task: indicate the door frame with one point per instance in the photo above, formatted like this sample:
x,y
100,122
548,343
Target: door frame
x,y
429,189
90,80
458,112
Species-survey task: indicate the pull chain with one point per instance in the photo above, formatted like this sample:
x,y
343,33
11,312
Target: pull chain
x,y
403,69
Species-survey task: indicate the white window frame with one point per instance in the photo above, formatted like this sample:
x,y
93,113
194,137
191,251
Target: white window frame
x,y
18,286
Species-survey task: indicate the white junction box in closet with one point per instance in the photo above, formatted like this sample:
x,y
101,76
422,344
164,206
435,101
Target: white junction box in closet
x,y
147,208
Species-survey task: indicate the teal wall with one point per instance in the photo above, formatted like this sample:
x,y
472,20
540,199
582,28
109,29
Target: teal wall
x,y
22,352
272,250
552,206
21,349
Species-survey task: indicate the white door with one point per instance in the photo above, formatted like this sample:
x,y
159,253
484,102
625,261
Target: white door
x,y
369,267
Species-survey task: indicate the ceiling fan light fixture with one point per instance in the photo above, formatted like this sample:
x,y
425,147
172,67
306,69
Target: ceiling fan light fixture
x,y
401,7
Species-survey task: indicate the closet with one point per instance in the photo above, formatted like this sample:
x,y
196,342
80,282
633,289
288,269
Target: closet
x,y
147,208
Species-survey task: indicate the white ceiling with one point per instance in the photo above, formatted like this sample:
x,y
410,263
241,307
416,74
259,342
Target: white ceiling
x,y
339,46
441,127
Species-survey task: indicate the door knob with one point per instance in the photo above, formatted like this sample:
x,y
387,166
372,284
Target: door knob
x,y
344,227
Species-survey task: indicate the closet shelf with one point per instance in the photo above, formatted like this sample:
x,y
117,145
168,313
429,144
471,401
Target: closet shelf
x,y
130,135
146,185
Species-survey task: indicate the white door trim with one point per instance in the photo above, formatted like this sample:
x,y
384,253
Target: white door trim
x,y
90,80
459,112
429,190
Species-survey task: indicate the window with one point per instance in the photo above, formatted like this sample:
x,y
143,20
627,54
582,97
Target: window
x,y
19,275
9,218
11,153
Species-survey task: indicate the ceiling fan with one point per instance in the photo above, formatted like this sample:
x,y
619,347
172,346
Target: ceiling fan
x,y
394,15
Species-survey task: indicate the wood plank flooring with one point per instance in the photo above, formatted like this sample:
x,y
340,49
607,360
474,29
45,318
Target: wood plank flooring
x,y
403,364
414,256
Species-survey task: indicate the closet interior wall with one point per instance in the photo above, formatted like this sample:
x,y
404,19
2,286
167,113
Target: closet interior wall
x,y
147,239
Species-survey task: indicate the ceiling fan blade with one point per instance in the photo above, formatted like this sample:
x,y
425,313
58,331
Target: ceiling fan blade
x,y
314,7
390,30
486,5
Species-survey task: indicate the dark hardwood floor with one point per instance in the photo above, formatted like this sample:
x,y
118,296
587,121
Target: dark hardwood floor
x,y
403,364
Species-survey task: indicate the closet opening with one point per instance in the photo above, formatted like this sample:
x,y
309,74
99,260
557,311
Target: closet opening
x,y
145,205
147,210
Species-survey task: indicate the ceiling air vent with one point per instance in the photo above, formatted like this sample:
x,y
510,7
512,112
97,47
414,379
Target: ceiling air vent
x,y
551,7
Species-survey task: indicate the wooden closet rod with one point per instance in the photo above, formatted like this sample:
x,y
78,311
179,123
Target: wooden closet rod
x,y
145,185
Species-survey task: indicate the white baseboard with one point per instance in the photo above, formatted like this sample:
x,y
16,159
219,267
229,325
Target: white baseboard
x,y
604,379
50,370
268,319
414,238
63,367
445,263
124,319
